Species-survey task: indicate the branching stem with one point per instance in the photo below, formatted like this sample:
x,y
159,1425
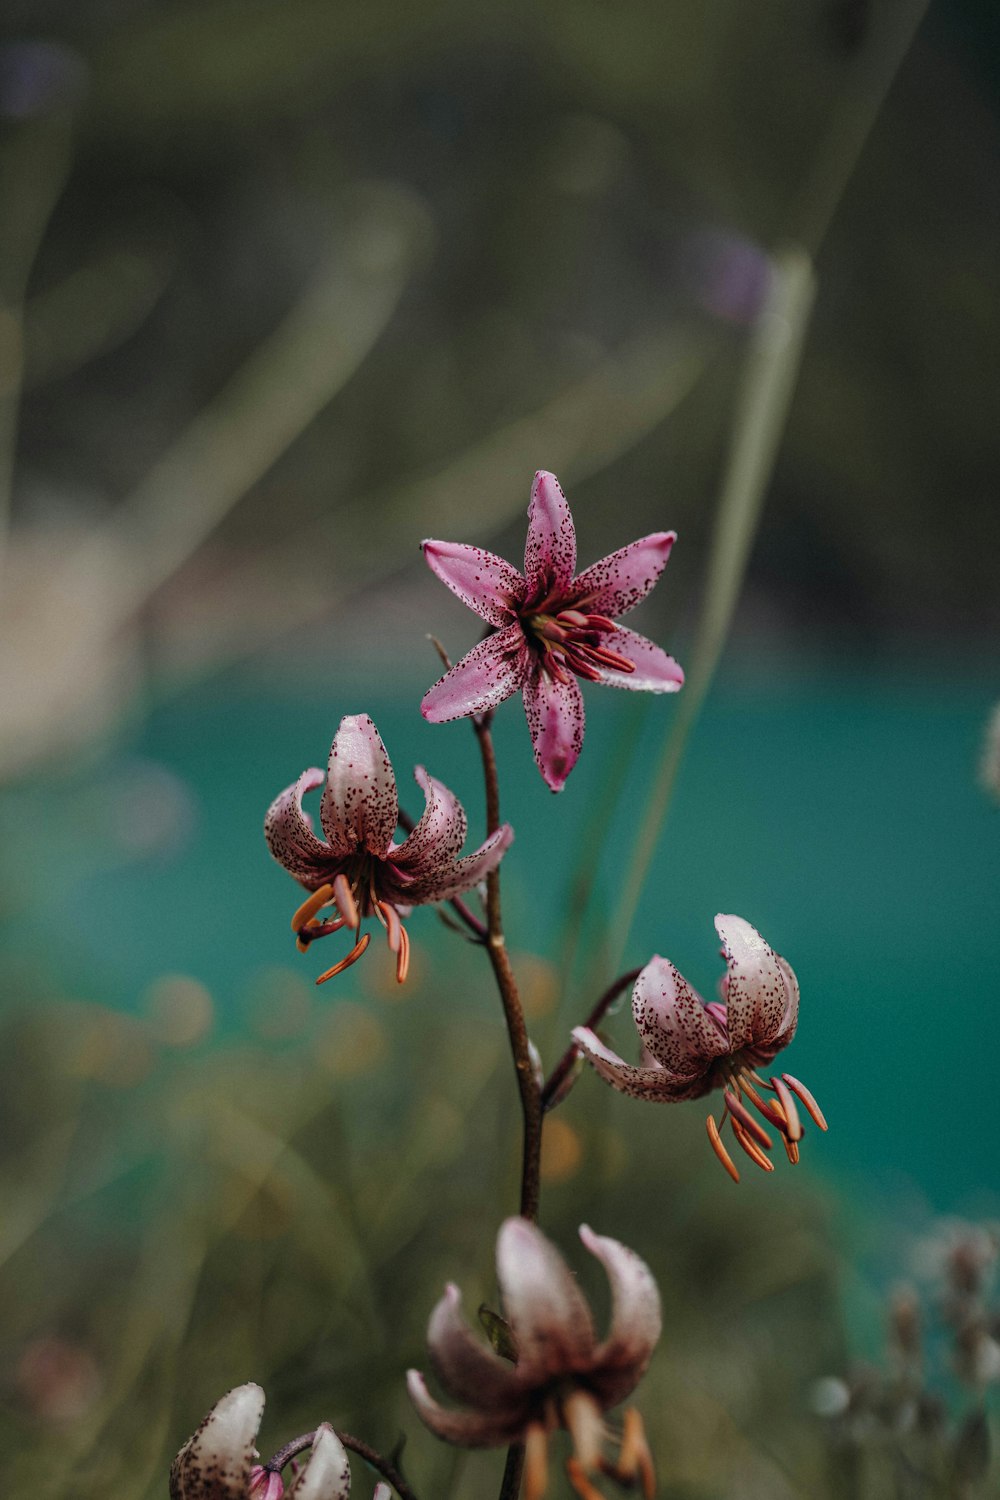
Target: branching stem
x,y
550,1090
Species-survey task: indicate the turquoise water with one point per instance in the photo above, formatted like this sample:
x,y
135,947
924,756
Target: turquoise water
x,y
840,814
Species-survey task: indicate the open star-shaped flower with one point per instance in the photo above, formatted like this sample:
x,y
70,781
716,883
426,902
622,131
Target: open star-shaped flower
x,y
358,870
691,1048
562,1376
552,627
220,1461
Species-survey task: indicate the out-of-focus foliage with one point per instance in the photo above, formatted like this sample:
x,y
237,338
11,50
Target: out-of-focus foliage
x,y
181,1217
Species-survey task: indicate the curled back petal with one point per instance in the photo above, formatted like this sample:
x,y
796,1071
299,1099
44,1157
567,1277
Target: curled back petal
x,y
463,874
467,1368
619,581
636,1320
467,1429
486,583
655,671
555,715
550,550
327,1475
674,1022
757,994
639,1083
289,833
439,834
484,677
545,1308
215,1463
359,806
790,1020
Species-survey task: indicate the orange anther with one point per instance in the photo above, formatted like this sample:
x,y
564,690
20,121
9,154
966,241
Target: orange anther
x,y
719,1148
807,1099
751,1148
740,1112
311,906
346,904
352,958
793,1127
403,956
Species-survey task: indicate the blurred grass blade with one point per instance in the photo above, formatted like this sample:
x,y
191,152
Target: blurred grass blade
x,y
765,395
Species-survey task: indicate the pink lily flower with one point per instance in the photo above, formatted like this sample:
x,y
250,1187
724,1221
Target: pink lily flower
x,y
562,1376
690,1048
358,870
551,628
219,1461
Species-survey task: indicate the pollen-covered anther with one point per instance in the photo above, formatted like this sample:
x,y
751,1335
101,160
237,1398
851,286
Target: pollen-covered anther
x,y
635,1459
807,1099
352,958
742,1115
751,1147
346,904
536,1462
577,1477
719,1148
303,914
403,956
793,1125
582,1416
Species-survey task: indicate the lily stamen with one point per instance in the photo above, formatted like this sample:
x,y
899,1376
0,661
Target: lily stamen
x,y
346,903
793,1127
750,1146
807,1099
740,1113
403,956
310,907
719,1148
352,958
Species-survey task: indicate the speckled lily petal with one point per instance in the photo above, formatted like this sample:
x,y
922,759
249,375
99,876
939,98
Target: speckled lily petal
x,y
289,833
790,1020
359,806
327,1475
440,833
486,583
467,1368
636,1320
655,671
542,1303
555,715
215,1463
639,1083
673,1021
468,1429
464,873
757,996
619,581
550,550
485,676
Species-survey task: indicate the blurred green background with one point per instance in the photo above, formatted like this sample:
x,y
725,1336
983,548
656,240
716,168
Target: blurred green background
x,y
285,288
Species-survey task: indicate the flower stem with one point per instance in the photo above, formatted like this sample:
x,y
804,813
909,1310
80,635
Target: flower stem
x,y
513,1470
496,947
381,1465
553,1083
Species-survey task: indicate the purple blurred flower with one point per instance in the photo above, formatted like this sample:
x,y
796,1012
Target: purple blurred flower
x,y
690,1047
218,1462
358,868
551,628
562,1376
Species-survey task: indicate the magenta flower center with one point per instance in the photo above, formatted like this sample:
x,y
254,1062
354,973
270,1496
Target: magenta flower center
x,y
570,641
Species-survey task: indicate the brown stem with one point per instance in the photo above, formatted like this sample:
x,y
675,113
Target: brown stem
x,y
561,1070
513,1470
496,947
381,1465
